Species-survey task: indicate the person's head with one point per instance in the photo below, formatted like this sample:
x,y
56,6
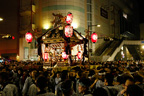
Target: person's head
x,y
100,92
138,79
134,90
33,73
129,81
124,77
109,79
58,75
101,75
3,77
67,88
20,71
84,84
120,79
41,82
72,73
64,75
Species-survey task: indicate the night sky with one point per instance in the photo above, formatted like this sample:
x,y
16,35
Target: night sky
x,y
141,10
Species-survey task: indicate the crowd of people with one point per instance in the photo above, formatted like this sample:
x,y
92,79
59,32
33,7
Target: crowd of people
x,y
115,78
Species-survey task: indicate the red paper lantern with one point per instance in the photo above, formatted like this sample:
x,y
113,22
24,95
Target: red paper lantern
x,y
68,31
69,18
64,55
13,37
94,37
28,37
45,55
79,55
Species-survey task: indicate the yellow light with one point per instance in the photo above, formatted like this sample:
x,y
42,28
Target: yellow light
x,y
46,26
17,57
43,37
74,25
98,25
143,47
1,19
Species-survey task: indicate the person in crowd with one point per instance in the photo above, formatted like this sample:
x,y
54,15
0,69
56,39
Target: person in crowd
x,y
108,81
134,90
84,84
100,92
109,87
139,81
119,83
67,88
80,74
99,82
52,80
129,81
64,76
33,88
8,88
13,76
28,82
72,76
57,79
19,83
42,84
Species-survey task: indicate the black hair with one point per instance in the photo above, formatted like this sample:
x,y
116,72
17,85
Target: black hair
x,y
41,82
64,75
100,92
85,82
67,87
120,79
134,90
109,77
138,78
130,79
91,72
4,75
126,77
80,73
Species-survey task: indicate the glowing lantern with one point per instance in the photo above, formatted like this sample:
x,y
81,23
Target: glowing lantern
x,y
45,55
94,37
64,55
68,31
13,37
28,37
79,55
69,18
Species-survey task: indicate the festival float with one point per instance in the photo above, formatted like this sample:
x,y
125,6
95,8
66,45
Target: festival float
x,y
57,43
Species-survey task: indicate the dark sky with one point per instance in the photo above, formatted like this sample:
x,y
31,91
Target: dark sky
x,y
141,10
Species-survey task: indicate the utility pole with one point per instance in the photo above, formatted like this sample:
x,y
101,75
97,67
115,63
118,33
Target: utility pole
x,y
88,33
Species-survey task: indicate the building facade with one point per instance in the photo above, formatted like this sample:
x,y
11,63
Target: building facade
x,y
114,16
9,11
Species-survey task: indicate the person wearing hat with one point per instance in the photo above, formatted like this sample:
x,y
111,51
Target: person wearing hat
x,y
84,85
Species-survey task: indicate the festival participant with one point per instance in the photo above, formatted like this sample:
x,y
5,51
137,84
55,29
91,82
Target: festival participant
x,y
100,92
129,81
109,87
134,90
67,88
33,90
64,76
42,84
57,79
84,84
28,82
8,88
